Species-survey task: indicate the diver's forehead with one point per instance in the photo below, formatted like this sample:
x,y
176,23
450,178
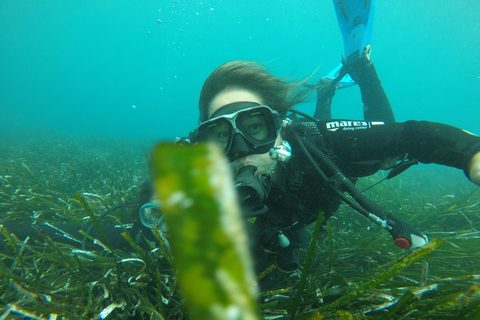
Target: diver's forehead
x,y
232,95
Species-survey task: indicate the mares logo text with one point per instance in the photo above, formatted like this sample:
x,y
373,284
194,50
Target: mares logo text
x,y
351,125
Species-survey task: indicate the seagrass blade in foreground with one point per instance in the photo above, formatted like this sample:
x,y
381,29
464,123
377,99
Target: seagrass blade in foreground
x,y
208,239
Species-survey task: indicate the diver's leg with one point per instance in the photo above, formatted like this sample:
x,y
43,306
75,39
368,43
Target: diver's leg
x,y
375,100
325,92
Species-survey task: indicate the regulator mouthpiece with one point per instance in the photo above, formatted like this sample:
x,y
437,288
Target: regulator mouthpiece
x,y
252,190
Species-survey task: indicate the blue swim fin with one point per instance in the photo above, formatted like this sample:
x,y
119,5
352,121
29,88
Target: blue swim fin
x,y
355,18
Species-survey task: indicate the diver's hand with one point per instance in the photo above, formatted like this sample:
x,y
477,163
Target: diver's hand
x,y
474,172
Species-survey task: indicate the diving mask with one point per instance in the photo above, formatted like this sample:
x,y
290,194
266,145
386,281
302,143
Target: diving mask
x,y
242,128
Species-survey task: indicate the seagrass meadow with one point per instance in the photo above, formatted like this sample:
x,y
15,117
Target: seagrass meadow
x,y
355,272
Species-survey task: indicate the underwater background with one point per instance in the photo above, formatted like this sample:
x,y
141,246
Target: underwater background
x,y
88,87
135,68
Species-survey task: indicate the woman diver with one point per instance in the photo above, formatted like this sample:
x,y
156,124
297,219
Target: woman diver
x,y
288,168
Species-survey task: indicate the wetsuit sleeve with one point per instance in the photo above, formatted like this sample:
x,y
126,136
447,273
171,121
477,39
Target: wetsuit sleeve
x,y
428,142
69,234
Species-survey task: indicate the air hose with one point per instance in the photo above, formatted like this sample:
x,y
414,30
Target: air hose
x,y
403,235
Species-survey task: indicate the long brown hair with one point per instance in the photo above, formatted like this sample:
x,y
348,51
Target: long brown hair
x,y
278,93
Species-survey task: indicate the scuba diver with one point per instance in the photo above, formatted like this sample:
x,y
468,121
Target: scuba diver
x,y
288,168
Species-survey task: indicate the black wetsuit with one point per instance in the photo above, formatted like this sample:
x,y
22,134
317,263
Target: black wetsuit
x,y
359,149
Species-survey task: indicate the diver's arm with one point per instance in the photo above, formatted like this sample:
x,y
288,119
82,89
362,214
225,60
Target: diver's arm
x,y
325,92
428,142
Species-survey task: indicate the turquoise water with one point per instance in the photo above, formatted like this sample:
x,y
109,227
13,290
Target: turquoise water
x,y
135,68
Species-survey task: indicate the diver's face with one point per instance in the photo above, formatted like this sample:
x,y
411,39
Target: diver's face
x,y
263,162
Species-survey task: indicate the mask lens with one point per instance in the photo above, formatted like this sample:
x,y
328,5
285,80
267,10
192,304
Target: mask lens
x,y
255,125
218,131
